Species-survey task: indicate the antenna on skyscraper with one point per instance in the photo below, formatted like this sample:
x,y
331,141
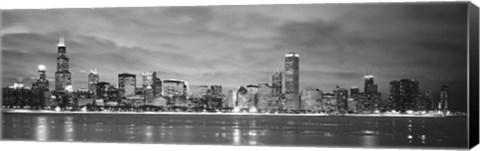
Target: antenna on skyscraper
x,y
61,41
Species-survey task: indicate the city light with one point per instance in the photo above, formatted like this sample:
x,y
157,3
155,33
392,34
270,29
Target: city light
x,y
42,67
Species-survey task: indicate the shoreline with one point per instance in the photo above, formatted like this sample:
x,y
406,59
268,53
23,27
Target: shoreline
x,y
222,114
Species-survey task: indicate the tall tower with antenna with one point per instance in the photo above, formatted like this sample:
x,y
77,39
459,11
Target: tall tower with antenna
x,y
63,77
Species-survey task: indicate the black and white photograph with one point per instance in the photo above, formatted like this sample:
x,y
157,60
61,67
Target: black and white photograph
x,y
349,75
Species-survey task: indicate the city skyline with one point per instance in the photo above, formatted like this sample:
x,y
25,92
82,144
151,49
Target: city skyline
x,y
199,54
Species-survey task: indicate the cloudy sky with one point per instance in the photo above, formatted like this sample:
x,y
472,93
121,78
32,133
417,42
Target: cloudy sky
x,y
240,45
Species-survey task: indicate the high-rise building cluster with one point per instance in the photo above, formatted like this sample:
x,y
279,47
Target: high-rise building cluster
x,y
282,94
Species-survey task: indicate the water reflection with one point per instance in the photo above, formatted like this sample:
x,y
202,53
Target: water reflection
x,y
148,133
41,129
68,129
253,138
369,140
237,137
367,132
409,132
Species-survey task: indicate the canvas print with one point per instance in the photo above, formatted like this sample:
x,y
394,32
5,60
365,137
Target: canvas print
x,y
377,75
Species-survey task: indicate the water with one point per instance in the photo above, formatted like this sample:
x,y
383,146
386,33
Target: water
x,y
240,130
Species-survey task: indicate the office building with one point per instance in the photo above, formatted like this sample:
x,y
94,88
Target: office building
x,y
252,91
429,102
311,99
341,95
63,77
443,103
329,103
40,88
394,99
93,79
231,99
203,91
277,81
151,79
127,83
265,97
175,91
242,99
292,81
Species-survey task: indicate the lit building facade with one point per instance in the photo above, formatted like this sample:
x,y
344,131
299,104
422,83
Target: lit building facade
x,y
394,99
175,91
341,95
371,98
429,102
329,103
231,99
277,81
173,87
242,99
149,95
151,79
354,91
102,90
203,91
112,96
93,79
40,88
17,96
252,91
127,83
216,96
292,81
311,99
409,94
216,91
265,97
443,103
63,77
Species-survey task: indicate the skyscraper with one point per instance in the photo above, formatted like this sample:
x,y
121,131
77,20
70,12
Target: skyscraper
x,y
265,97
370,87
292,81
92,80
277,80
443,104
409,94
203,91
341,95
40,89
242,99
371,95
175,91
216,91
354,91
429,104
394,99
311,99
42,81
127,84
101,88
252,91
151,79
63,76
231,99
174,87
